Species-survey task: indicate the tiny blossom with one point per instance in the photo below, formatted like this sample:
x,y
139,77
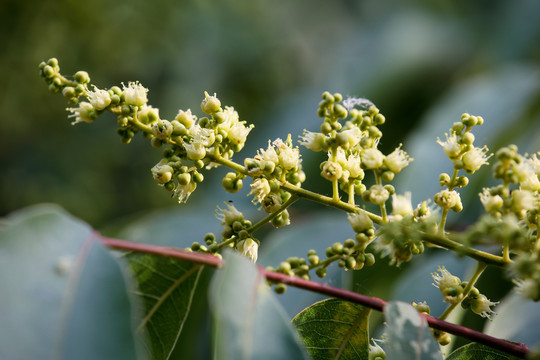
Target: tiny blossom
x,y
331,170
269,154
184,191
401,204
312,140
210,104
202,136
162,172
535,163
522,200
491,202
448,284
447,199
527,176
375,352
353,166
229,119
249,248
162,129
397,160
372,158
528,288
186,118
341,157
148,114
135,94
354,135
378,194
238,133
289,158
260,188
450,146
84,113
195,151
424,211
475,158
481,306
360,221
229,215
99,99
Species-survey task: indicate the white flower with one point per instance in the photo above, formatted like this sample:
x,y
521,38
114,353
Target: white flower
x,y
195,151
481,306
448,284
331,170
249,248
312,140
260,188
229,119
397,160
353,135
135,94
84,113
527,176
448,199
148,114
184,191
378,194
535,163
528,288
269,154
162,129
210,104
229,215
238,133
372,158
162,173
522,200
186,118
450,146
99,99
401,204
289,157
360,221
202,136
491,203
475,158
354,168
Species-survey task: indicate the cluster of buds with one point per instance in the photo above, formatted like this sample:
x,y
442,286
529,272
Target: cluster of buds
x,y
401,239
453,292
193,143
460,149
352,147
270,168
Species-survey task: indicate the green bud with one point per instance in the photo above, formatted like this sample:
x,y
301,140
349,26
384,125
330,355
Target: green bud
x,y
340,111
369,259
184,179
326,128
458,127
81,77
379,119
209,238
198,177
280,288
337,248
313,259
349,243
195,246
388,176
210,104
468,138
321,272
350,262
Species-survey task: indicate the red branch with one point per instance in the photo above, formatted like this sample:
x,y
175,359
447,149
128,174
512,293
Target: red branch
x,y
374,303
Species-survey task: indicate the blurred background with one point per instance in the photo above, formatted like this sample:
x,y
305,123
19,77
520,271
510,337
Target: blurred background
x,y
423,63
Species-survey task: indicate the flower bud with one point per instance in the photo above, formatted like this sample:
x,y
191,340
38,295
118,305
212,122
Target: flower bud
x,y
210,104
360,221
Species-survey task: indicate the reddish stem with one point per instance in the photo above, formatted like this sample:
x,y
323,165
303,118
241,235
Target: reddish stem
x,y
374,303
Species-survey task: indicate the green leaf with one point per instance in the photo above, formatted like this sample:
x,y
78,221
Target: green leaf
x,y
165,287
63,294
476,351
249,323
516,319
335,329
408,334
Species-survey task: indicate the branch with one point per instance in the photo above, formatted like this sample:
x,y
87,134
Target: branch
x,y
374,303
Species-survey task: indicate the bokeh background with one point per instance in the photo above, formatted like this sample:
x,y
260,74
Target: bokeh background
x,y
423,63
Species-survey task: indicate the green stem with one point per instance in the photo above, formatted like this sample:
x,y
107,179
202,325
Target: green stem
x,y
351,194
445,211
222,244
378,180
479,270
461,249
271,216
328,201
335,190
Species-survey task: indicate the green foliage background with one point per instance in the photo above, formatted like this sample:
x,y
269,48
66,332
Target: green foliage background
x,y
422,62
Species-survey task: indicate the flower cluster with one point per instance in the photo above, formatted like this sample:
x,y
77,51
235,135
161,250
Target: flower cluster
x,y
352,148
